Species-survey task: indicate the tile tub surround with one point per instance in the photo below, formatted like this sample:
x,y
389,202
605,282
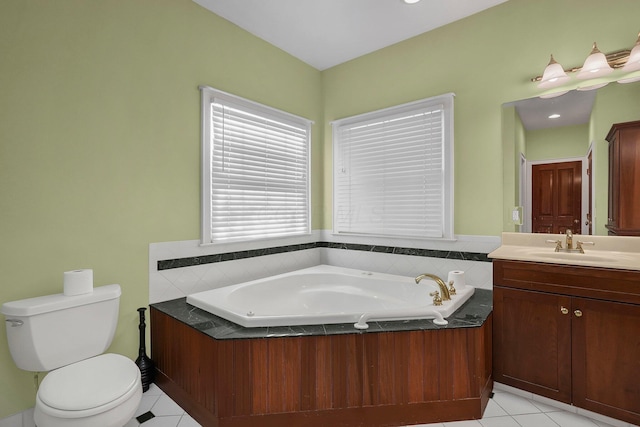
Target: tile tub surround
x,y
471,315
177,269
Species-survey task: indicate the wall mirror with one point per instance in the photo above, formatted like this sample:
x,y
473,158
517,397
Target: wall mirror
x,y
556,158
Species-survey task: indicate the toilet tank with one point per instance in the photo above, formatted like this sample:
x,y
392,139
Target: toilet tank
x,y
51,331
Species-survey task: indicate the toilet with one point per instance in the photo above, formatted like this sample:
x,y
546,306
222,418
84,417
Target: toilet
x,y
66,336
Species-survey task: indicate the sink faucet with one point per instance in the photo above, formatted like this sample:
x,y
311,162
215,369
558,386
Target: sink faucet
x,y
444,290
569,239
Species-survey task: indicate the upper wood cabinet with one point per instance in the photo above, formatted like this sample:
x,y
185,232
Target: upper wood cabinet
x,y
624,179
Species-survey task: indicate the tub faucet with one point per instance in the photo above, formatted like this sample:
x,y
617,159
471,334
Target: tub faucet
x,y
444,291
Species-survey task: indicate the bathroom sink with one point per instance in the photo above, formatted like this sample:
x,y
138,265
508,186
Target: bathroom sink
x,y
576,256
599,258
617,252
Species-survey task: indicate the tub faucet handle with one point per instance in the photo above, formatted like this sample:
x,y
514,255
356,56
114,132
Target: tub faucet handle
x,y
436,298
452,289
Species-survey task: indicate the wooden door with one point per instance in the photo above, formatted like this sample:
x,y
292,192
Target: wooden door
x,y
606,358
556,197
532,342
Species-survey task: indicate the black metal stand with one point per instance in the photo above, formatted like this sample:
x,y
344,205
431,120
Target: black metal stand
x,y
145,364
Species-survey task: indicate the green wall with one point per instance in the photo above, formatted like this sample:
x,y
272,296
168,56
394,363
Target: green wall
x,y
486,60
100,141
557,143
99,128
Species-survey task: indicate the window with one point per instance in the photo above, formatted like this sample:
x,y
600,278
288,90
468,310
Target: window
x,y
255,170
393,171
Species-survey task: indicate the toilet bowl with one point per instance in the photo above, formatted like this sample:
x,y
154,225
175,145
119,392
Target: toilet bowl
x,y
103,391
67,336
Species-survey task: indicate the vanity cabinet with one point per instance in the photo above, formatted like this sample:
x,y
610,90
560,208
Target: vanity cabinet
x,y
624,179
569,333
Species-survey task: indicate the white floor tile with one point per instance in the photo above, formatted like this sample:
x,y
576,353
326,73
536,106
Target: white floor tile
x,y
493,410
567,419
147,402
601,420
534,420
515,405
471,423
505,421
187,421
165,406
12,421
549,405
154,390
166,421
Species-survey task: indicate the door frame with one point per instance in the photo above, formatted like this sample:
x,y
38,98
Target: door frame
x,y
528,202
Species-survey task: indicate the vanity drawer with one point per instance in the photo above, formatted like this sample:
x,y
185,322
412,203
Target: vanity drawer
x,y
589,282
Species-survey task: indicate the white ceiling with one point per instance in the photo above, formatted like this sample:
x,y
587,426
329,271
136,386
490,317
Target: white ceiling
x,y
574,108
325,33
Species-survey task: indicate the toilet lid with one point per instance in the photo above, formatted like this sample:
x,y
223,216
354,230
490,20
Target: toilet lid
x,y
89,383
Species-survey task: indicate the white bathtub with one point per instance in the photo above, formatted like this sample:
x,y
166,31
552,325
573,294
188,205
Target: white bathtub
x,y
326,294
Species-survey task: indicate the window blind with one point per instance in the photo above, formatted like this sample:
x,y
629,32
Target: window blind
x,y
259,167
390,173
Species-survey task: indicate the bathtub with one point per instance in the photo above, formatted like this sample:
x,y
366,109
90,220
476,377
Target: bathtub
x,y
326,294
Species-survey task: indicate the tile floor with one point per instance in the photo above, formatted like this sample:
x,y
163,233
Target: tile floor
x,y
508,408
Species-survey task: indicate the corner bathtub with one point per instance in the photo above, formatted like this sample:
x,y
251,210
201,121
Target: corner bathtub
x,y
324,295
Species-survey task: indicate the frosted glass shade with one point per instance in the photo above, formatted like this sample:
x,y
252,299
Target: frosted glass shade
x,y
554,75
595,65
633,63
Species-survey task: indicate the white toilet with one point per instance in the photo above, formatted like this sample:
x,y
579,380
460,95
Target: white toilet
x,y
67,336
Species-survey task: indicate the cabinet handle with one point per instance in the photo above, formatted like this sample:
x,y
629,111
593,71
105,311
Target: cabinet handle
x,y
578,313
564,310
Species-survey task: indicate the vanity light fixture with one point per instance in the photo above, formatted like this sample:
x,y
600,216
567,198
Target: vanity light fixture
x,y
411,1
598,70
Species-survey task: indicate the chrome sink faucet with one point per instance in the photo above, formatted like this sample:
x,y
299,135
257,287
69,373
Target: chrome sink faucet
x,y
444,290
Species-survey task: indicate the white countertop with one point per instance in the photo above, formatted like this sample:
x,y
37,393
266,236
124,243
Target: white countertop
x,y
618,252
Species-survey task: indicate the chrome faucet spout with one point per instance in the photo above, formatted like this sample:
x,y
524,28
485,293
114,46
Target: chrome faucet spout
x,y
444,290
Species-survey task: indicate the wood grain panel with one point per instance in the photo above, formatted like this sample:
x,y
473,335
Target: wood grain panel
x,y
371,379
606,372
258,366
323,373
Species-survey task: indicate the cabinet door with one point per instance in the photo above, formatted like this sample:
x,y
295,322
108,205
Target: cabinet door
x,y
532,342
614,182
606,358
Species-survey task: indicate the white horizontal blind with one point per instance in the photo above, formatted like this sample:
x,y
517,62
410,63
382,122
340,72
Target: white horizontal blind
x,y
390,173
259,173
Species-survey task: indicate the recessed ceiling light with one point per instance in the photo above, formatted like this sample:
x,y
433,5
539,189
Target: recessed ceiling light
x,y
554,116
411,1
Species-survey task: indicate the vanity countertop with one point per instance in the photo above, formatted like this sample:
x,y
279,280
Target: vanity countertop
x,y
471,315
616,252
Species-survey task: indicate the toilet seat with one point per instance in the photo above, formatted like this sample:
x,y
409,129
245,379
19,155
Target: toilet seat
x,y
89,387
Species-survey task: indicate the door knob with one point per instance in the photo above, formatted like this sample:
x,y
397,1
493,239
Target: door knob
x,y
564,310
578,313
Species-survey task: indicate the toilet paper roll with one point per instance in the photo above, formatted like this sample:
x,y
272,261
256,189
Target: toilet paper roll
x,y
457,277
78,282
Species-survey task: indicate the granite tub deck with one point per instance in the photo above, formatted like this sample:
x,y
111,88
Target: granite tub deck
x,y
394,373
